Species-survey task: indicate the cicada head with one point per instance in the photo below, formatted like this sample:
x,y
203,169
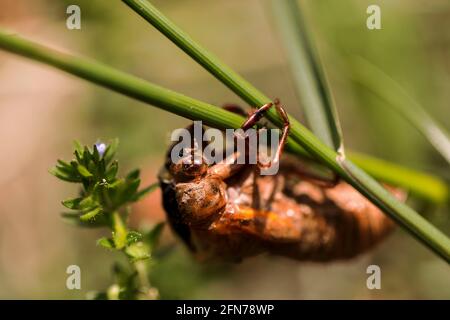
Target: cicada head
x,y
190,167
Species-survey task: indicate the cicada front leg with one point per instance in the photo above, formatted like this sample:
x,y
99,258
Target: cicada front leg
x,y
260,113
252,119
301,170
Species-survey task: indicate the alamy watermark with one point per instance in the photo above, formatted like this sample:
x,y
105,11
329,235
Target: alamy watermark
x,y
73,21
74,279
373,21
374,280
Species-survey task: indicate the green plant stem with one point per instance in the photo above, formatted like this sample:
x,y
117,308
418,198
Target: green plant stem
x,y
309,77
400,212
386,88
193,109
397,175
142,275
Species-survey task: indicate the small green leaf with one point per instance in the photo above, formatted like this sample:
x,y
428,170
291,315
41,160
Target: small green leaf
x,y
130,190
68,170
74,219
63,175
78,146
88,203
116,184
78,156
101,166
110,151
134,174
91,214
83,171
64,166
152,237
142,193
87,157
138,251
92,168
95,154
107,243
112,171
119,231
74,164
133,237
72,203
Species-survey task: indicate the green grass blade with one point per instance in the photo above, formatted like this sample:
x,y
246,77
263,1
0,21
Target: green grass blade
x,y
417,183
309,78
400,212
375,80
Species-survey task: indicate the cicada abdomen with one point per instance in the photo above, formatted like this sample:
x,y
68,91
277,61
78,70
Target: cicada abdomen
x,y
334,223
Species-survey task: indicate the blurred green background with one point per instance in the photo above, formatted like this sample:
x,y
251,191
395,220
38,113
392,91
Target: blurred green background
x,y
42,111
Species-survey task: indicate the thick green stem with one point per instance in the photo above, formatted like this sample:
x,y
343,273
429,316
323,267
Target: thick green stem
x,y
400,212
142,276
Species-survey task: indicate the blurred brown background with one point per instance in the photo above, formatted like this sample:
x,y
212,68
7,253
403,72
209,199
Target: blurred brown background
x,y
42,111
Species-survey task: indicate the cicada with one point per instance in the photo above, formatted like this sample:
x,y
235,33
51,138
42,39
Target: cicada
x,y
229,212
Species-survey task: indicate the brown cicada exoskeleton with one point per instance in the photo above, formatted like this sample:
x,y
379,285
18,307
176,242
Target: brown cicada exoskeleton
x,y
228,211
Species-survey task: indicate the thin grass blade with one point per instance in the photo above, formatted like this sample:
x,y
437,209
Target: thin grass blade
x,y
375,80
309,77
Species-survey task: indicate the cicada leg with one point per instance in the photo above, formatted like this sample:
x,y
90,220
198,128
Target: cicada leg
x,y
258,114
226,171
235,109
306,173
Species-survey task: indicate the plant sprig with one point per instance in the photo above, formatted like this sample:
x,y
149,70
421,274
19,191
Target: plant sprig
x,y
104,201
